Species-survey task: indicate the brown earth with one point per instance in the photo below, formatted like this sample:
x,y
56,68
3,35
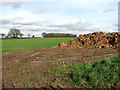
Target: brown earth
x,y
25,68
96,39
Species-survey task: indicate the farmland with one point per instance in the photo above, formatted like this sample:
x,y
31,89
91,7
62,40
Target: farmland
x,y
35,63
32,68
20,44
60,44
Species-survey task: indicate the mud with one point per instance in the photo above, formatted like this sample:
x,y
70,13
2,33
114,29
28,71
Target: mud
x,y
25,68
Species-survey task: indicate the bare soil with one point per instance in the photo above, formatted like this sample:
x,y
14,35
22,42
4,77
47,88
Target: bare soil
x,y
22,69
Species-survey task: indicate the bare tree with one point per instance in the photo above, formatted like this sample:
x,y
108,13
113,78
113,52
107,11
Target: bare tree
x,y
33,36
43,34
14,33
29,35
2,35
21,34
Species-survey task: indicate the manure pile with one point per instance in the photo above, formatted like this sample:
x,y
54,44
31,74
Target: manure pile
x,y
94,40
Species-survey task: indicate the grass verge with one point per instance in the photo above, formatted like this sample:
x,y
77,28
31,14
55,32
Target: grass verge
x,y
97,74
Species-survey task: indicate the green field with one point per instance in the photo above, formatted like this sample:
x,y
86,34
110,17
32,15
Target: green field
x,y
20,44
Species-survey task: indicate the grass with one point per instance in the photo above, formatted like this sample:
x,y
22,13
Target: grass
x,y
20,44
28,85
97,74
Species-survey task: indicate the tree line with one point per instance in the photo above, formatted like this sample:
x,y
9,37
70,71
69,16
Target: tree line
x,y
47,35
14,33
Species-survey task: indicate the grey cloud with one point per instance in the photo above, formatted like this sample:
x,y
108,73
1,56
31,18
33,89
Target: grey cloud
x,y
9,20
34,30
62,27
108,10
51,30
21,21
42,9
14,5
115,25
5,21
40,24
29,21
79,26
25,23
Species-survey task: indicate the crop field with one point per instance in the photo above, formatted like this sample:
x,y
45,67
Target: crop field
x,y
20,44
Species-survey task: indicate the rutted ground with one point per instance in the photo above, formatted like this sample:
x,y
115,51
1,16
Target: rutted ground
x,y
25,68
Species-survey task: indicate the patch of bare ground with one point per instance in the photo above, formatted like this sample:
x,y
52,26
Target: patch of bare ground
x,y
23,69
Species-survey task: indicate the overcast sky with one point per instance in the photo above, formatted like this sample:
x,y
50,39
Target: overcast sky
x,y
59,16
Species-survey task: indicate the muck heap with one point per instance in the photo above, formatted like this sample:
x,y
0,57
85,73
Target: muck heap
x,y
94,40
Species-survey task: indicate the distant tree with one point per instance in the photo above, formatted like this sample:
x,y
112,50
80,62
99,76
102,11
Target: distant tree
x,y
58,35
6,36
43,34
14,33
29,35
2,35
21,34
75,35
33,36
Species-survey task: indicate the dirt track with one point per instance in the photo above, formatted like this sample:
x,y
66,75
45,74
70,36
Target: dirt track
x,y
23,67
